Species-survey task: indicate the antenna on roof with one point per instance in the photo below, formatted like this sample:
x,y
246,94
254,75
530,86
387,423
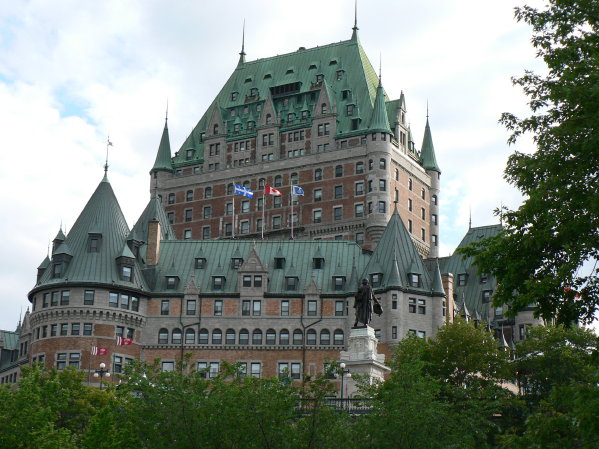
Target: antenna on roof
x,y
108,144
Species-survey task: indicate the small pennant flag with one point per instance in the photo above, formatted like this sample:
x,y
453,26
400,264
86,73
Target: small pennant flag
x,y
120,341
268,190
243,191
297,190
99,351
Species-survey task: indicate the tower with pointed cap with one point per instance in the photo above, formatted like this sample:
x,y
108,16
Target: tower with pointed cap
x,y
428,160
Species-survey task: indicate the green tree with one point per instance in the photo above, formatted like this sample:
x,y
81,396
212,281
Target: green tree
x,y
537,258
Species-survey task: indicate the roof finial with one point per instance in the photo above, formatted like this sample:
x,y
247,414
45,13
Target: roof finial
x,y
470,219
166,116
427,109
380,68
354,34
108,144
242,53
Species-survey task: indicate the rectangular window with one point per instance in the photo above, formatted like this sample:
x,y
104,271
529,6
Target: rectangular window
x,y
359,210
191,307
65,296
338,213
64,329
291,283
125,302
296,370
245,307
257,307
168,366
487,296
360,188
423,213
53,330
412,305
276,222
113,299
338,283
88,297
317,216
338,192
54,298
75,328
339,308
312,308
394,332
382,207
462,279
284,308
88,329
188,214
422,306
164,307
218,282
207,211
257,281
317,194
218,307
135,303
214,369
255,369
247,281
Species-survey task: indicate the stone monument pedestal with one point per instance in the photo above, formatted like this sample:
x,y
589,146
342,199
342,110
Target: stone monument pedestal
x,y
362,358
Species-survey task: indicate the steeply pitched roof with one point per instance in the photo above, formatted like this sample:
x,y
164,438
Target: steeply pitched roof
x,y
163,160
154,211
427,152
379,121
102,215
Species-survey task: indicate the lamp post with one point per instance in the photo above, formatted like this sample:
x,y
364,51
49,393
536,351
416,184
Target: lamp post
x,y
101,373
343,373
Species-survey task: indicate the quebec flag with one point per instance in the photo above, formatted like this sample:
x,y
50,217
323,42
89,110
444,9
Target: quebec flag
x,y
297,190
243,191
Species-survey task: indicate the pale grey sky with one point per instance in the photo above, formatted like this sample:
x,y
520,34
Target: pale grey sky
x,y
73,71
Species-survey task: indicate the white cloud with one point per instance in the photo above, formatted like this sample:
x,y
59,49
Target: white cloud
x,y
73,71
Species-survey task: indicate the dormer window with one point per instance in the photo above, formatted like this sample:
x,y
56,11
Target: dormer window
x,y
279,263
376,279
304,115
414,279
126,273
319,78
338,283
291,282
234,96
57,270
484,278
172,282
318,263
462,279
215,129
236,262
189,154
251,124
94,243
253,92
200,263
290,117
486,296
218,282
236,127
339,75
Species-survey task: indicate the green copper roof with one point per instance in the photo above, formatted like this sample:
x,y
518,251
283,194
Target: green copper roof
x,y
305,72
60,235
103,215
10,340
298,255
379,121
163,157
427,152
44,264
154,211
471,293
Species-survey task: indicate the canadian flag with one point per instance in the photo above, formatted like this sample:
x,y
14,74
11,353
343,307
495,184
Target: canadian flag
x,y
120,341
99,351
268,190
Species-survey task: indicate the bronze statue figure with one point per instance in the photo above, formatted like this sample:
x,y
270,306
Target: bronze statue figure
x,y
364,302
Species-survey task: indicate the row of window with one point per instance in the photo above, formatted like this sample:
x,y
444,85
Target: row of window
x,y
63,297
63,330
9,378
463,279
243,337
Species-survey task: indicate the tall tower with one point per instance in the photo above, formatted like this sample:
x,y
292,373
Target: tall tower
x,y
429,162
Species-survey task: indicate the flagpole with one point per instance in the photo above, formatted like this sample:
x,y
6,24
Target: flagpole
x,y
291,199
89,367
263,207
233,220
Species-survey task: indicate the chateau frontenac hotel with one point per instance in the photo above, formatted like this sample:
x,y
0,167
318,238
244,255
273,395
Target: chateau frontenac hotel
x,y
267,281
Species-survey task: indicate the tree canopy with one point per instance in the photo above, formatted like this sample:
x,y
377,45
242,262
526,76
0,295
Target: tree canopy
x,y
537,259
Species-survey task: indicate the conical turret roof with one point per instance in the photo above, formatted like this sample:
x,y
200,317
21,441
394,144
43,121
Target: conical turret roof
x,y
379,121
163,157
427,151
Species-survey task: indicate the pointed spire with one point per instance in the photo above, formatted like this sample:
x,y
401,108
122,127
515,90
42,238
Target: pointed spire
x,y
242,53
108,144
470,219
354,34
163,157
427,151
379,121
437,280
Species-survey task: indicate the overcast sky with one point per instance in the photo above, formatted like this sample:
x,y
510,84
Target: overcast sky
x,y
74,71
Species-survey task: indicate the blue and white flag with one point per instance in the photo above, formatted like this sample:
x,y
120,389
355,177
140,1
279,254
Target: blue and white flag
x,y
243,191
297,190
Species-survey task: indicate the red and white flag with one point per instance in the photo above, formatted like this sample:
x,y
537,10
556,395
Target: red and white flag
x,y
268,190
120,341
99,351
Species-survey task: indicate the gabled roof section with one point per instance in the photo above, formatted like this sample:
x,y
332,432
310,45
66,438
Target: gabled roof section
x,y
163,160
154,211
427,151
396,247
102,213
471,293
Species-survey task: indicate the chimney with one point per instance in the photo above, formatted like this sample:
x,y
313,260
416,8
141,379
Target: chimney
x,y
153,251
450,303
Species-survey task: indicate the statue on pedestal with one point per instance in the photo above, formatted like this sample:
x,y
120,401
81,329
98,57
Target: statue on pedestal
x,y
365,303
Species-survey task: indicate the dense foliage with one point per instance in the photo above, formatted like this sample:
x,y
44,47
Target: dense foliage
x,y
538,257
458,390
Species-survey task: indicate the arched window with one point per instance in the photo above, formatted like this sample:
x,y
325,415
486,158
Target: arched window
x,y
215,129
190,336
261,183
323,108
278,181
383,163
311,337
230,337
208,192
284,337
217,337
338,337
203,337
338,171
298,337
230,188
163,336
246,184
318,174
271,337
257,337
325,337
176,337
244,337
